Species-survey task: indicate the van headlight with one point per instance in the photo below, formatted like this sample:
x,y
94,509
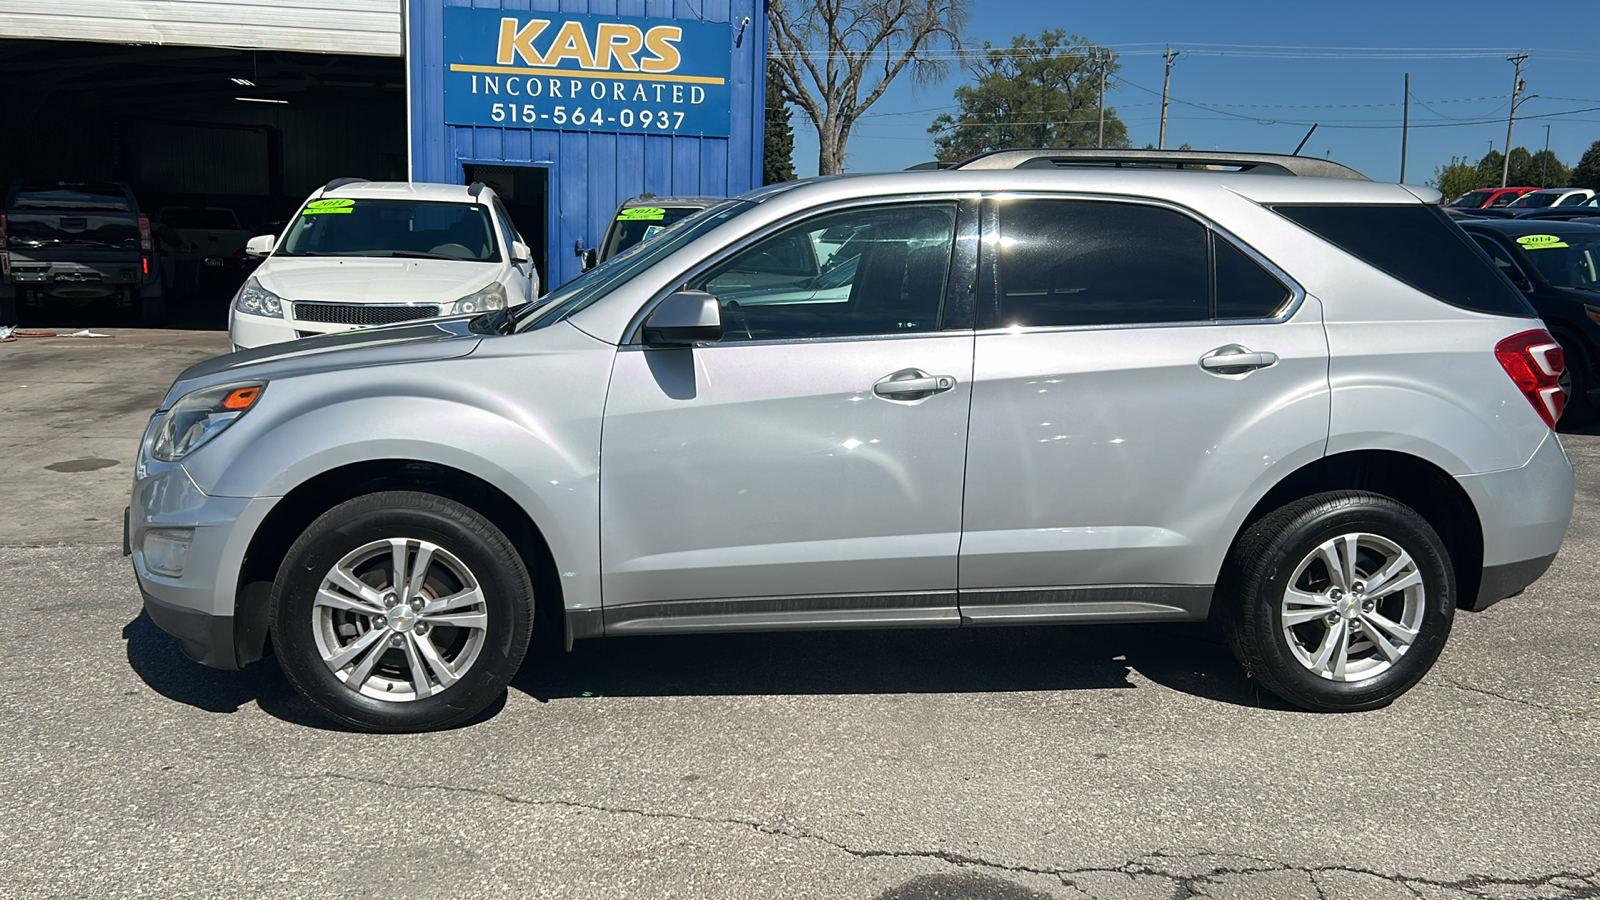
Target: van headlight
x,y
493,296
255,300
199,416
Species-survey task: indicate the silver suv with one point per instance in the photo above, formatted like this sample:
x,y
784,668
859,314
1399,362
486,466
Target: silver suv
x,y
1308,407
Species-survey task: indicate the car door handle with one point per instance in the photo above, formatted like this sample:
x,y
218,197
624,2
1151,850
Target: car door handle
x,y
1234,359
912,384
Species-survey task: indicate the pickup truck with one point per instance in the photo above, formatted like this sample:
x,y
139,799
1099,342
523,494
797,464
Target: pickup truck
x,y
76,243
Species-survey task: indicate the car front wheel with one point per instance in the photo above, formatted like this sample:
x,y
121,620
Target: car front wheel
x,y
401,611
1339,602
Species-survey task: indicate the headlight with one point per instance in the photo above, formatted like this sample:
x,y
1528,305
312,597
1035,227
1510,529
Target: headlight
x,y
491,297
201,415
257,300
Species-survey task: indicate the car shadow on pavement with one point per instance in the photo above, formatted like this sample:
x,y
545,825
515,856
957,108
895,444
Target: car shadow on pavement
x,y
157,659
1181,657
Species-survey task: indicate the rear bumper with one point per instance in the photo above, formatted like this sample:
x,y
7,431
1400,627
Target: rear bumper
x,y
1501,582
1524,514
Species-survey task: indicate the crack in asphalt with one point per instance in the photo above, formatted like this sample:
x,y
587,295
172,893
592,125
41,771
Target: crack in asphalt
x,y
1506,697
1148,865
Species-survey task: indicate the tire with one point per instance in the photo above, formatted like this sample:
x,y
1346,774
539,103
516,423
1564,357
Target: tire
x,y
8,311
450,651
1577,381
152,308
1315,647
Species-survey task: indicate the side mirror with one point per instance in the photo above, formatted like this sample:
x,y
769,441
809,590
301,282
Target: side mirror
x,y
589,258
261,245
519,252
684,318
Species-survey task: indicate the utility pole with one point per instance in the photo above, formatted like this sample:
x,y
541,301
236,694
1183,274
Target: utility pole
x,y
1166,87
1102,54
1405,128
1511,121
1544,180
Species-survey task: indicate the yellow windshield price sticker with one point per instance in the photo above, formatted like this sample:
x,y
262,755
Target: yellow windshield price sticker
x,y
336,205
1541,242
642,214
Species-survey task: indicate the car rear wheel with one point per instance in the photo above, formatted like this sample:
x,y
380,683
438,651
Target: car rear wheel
x,y
401,611
1339,602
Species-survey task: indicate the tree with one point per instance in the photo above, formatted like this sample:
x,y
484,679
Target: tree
x,y
1489,169
1458,178
1522,173
1041,92
777,158
825,49
1587,174
1547,171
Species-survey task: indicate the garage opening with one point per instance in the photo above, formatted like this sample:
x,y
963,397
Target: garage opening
x,y
216,144
525,191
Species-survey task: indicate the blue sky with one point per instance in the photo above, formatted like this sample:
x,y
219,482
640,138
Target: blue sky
x,y
1340,63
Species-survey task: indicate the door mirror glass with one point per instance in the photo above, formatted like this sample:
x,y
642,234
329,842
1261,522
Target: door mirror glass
x,y
588,258
261,245
684,318
519,252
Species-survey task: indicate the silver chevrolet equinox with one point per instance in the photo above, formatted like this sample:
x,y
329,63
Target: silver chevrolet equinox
x,y
1044,387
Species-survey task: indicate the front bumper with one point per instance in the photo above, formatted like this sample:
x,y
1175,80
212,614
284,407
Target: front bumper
x,y
199,605
246,331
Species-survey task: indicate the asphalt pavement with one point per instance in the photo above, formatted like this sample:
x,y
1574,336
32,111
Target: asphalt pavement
x,y
983,764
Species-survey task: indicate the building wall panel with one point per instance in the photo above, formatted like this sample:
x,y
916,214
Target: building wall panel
x,y
592,172
363,27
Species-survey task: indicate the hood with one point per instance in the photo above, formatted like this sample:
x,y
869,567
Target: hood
x,y
358,280
409,342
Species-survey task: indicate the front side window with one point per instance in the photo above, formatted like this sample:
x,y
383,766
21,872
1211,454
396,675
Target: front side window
x,y
880,270
1087,262
411,229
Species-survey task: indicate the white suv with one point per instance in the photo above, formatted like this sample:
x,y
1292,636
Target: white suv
x,y
362,253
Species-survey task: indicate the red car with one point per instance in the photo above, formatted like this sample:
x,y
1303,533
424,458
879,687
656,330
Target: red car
x,y
1486,198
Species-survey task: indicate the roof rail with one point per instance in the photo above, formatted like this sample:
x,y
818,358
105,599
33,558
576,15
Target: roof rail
x,y
930,165
341,182
1202,160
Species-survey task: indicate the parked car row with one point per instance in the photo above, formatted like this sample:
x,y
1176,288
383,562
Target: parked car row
x,y
1057,386
1520,201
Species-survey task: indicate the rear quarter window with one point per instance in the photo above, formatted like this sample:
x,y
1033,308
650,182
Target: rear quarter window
x,y
1418,245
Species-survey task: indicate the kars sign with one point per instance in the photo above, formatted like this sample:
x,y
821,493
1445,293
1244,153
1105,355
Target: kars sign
x,y
566,72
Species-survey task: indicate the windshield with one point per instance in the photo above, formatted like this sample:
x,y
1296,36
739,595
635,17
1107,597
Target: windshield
x,y
1471,199
1536,200
638,223
601,280
191,217
411,229
1565,260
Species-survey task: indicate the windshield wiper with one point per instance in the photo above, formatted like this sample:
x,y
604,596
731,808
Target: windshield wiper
x,y
418,254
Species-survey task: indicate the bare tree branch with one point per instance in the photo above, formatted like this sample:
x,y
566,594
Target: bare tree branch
x,y
850,35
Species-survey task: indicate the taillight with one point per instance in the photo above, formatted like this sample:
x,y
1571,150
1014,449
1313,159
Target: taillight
x,y
1534,361
145,242
2,231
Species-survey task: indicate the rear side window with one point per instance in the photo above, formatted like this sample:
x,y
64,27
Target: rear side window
x,y
1244,289
1418,245
1084,262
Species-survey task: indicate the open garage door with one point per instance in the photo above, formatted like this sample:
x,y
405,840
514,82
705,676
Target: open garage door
x,y
202,130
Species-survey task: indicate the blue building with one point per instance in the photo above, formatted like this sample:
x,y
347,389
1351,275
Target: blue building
x,y
568,107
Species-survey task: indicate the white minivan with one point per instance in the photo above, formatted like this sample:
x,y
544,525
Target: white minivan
x,y
362,253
